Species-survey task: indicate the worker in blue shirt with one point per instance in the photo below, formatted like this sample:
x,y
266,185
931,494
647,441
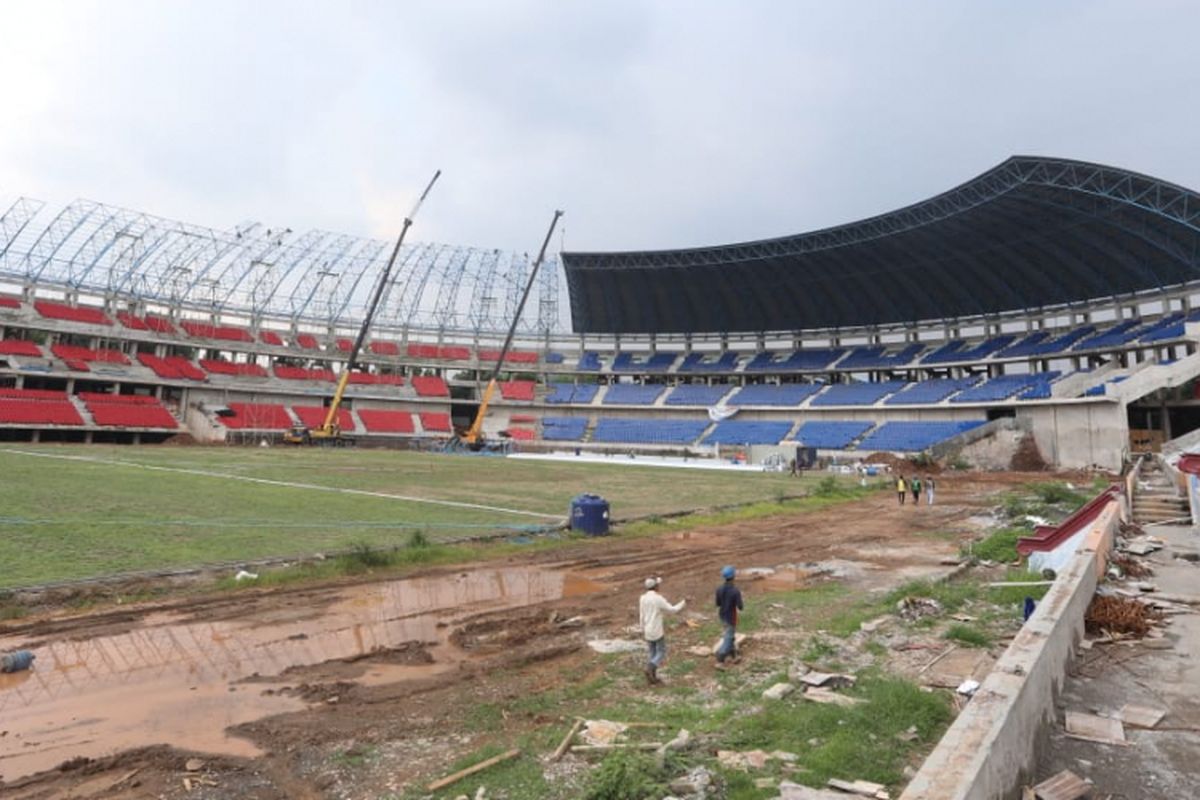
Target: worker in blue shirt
x,y
729,603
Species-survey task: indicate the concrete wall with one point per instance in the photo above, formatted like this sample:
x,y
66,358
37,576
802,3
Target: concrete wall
x,y
989,751
1080,435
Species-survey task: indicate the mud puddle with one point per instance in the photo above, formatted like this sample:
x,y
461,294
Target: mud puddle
x,y
179,680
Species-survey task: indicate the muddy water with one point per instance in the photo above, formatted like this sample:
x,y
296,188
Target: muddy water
x,y
175,681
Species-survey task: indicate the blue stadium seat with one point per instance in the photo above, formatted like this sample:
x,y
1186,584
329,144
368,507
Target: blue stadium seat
x,y
571,393
554,358
857,394
648,431
702,362
787,394
697,394
957,350
1112,337
813,359
589,362
912,437
934,390
1003,387
1035,345
632,394
875,357
831,434
656,362
737,431
563,429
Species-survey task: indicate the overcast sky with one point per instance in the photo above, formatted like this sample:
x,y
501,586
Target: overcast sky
x,y
653,124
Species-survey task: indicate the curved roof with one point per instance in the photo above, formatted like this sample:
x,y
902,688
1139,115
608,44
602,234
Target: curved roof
x,y
1030,233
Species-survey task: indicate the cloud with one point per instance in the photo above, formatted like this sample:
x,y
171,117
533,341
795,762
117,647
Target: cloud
x,y
654,124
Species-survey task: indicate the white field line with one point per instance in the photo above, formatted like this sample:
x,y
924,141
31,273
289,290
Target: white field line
x,y
286,484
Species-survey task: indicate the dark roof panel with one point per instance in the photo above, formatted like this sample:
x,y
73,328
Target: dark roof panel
x,y
1028,234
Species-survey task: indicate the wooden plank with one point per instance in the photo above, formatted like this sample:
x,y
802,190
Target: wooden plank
x,y
1094,728
1140,716
442,783
1066,785
566,742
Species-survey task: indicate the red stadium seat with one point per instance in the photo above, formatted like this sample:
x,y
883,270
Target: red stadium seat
x,y
430,386
301,374
513,356
385,348
522,434
160,324
128,411
76,364
435,422
92,316
517,390
70,352
9,302
270,337
382,421
371,379
522,419
222,367
257,416
20,347
314,416
205,330
132,321
345,345
307,341
37,407
454,353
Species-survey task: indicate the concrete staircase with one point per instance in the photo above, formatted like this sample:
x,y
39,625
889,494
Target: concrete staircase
x,y
1155,498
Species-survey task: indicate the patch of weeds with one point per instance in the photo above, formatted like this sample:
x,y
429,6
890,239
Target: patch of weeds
x,y
519,777
826,487
998,546
877,649
969,635
362,557
484,717
624,775
418,540
355,756
959,464
10,612
951,595
853,742
818,649
1057,494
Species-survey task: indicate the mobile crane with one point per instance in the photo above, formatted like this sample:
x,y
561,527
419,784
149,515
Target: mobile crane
x,y
472,438
330,432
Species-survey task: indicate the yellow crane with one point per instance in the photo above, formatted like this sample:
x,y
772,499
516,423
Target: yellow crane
x,y
330,431
473,437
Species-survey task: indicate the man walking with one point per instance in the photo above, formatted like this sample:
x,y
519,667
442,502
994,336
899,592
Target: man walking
x,y
916,490
651,608
929,486
901,489
729,603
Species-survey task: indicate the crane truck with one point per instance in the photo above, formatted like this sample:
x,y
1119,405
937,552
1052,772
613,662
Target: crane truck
x,y
472,438
330,432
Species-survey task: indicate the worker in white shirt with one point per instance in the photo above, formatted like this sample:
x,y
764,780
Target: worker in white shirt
x,y
651,607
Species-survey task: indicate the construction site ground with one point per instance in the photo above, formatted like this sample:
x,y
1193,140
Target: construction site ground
x,y
372,688
1163,674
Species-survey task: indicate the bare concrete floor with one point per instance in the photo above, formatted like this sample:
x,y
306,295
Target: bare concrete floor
x,y
1163,762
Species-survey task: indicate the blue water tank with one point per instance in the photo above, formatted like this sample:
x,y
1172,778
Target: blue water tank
x,y
589,513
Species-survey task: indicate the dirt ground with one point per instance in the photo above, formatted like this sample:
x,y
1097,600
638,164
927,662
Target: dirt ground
x,y
266,692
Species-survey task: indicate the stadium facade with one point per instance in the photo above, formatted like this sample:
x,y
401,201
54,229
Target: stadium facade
x,y
1046,296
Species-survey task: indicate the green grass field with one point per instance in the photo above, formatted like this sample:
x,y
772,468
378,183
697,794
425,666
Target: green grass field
x,y
64,519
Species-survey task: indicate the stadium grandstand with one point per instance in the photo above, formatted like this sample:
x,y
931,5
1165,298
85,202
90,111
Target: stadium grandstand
x,y
1045,297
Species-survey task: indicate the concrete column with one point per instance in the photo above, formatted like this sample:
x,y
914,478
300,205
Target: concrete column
x,y
36,436
88,436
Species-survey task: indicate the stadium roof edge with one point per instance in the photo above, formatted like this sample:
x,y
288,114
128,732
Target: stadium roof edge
x,y
1031,232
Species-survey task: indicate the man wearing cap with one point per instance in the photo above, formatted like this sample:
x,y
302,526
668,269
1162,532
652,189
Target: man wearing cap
x,y
651,607
729,601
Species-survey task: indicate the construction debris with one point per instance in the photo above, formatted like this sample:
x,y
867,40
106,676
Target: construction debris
x,y
829,696
861,788
968,687
603,731
794,791
1129,566
1066,785
1140,716
441,783
194,765
735,759
608,646
1116,615
831,680
778,691
913,608
1091,728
